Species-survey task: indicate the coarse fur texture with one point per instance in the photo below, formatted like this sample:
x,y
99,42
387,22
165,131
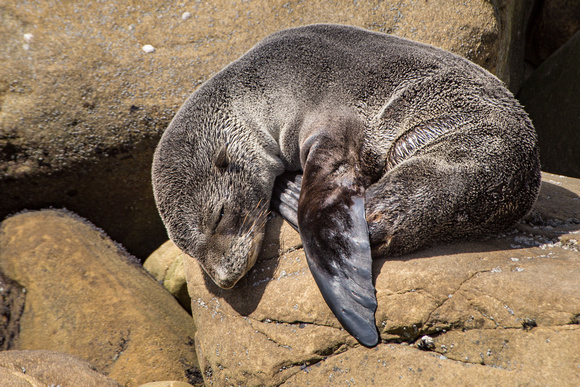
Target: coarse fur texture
x,y
436,147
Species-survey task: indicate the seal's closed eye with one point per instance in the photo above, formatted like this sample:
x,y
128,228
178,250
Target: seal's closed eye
x,y
221,159
216,218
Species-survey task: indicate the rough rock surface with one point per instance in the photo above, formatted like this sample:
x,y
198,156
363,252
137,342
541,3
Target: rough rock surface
x,y
48,368
552,98
166,265
82,105
87,298
505,310
166,384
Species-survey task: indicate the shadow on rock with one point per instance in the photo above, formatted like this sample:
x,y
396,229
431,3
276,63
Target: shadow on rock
x,y
258,277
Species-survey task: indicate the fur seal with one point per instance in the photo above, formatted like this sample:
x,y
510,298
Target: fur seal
x,y
399,145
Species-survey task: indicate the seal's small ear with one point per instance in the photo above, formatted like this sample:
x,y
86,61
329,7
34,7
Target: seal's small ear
x,y
221,158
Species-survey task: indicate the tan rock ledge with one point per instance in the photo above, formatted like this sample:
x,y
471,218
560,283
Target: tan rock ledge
x,y
500,311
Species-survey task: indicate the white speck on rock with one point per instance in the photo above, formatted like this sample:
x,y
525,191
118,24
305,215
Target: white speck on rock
x,y
496,270
148,48
27,37
186,15
518,269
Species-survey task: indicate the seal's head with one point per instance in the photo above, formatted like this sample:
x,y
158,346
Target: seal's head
x,y
214,200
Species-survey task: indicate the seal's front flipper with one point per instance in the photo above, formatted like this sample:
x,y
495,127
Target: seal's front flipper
x,y
333,228
285,197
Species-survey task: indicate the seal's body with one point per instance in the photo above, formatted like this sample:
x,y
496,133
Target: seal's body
x,y
424,145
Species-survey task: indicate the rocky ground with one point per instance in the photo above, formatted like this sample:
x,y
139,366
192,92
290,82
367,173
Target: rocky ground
x,y
84,100
501,311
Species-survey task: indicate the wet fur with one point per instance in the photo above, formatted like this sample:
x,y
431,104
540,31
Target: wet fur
x,y
445,151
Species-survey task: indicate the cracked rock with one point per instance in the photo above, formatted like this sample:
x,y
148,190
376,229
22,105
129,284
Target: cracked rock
x,y
468,298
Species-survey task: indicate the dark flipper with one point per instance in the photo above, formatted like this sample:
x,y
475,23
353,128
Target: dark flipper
x,y
333,228
286,195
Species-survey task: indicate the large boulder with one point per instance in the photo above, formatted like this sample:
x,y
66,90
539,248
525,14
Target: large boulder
x,y
86,297
500,311
552,98
49,368
82,103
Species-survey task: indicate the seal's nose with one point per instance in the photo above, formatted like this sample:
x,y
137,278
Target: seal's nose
x,y
225,284
223,279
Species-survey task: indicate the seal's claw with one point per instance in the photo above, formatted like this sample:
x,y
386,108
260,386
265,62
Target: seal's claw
x,y
285,197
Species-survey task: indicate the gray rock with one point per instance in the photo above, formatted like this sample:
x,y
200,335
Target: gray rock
x,y
552,98
553,23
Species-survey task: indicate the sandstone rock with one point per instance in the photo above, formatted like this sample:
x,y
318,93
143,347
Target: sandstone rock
x,y
166,384
553,24
166,265
552,99
12,297
82,105
49,368
86,297
504,310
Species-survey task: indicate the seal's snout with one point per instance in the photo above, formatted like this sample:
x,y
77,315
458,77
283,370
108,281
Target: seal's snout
x,y
223,278
225,283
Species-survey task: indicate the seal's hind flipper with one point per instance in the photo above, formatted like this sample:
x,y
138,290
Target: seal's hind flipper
x,y
334,233
285,197
339,257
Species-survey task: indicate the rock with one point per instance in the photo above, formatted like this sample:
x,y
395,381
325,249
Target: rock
x,y
552,99
49,368
166,384
166,265
12,297
86,297
499,311
82,105
553,23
